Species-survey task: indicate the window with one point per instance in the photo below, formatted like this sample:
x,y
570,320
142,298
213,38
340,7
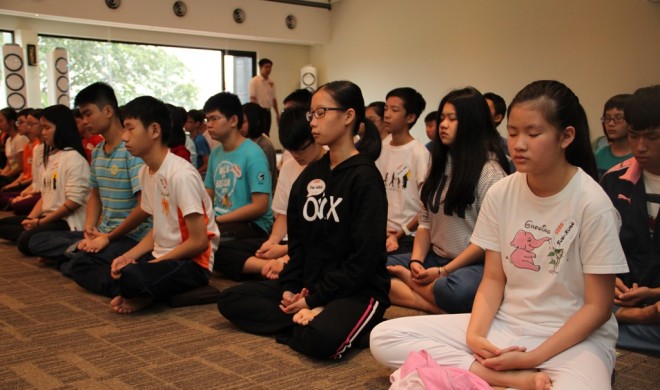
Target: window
x,y
240,67
181,76
5,37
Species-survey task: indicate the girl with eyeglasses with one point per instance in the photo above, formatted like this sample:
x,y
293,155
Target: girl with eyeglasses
x,y
334,288
542,317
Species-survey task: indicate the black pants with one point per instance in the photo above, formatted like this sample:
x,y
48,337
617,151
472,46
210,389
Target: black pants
x,y
92,270
238,241
12,230
254,307
160,280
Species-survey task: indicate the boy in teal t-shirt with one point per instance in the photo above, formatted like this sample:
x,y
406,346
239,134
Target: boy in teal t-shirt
x,y
239,182
616,131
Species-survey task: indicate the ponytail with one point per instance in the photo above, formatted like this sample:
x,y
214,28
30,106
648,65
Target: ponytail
x,y
370,143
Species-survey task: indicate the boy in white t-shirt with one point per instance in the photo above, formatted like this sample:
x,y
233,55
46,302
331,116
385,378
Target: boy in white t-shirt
x,y
403,163
177,254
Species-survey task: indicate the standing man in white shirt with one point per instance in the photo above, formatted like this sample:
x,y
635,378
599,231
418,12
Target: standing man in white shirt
x,y
262,91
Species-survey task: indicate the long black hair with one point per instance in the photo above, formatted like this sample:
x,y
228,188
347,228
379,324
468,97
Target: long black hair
x,y
475,142
66,132
561,108
348,95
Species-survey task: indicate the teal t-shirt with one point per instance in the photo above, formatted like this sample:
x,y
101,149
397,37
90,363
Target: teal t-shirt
x,y
234,176
606,160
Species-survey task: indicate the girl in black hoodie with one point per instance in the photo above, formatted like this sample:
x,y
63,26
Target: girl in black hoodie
x,y
334,289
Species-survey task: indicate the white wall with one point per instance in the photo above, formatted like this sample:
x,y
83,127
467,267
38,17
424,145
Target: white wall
x,y
597,47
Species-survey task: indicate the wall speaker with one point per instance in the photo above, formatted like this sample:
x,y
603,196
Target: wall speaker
x,y
58,77
308,78
13,67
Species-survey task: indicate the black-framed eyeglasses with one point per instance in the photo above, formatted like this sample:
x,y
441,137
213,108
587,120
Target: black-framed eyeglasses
x,y
319,113
616,119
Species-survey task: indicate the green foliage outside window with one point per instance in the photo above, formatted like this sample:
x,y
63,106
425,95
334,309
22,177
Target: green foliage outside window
x,y
132,70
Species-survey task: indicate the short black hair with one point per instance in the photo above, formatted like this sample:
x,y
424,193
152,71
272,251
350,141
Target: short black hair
x,y
413,102
9,114
431,117
498,103
256,118
24,112
227,104
99,94
641,111
196,115
264,61
299,98
148,110
294,128
617,101
177,118
378,107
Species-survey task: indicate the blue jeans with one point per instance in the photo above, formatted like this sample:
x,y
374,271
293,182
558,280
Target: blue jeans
x,y
455,293
638,337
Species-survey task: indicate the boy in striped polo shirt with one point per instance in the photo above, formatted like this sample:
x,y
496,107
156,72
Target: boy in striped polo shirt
x,y
114,222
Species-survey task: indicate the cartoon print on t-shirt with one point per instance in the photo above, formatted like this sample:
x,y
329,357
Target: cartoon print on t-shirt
x,y
399,178
227,174
523,256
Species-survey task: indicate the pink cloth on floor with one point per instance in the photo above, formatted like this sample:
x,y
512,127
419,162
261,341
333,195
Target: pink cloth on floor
x,y
420,371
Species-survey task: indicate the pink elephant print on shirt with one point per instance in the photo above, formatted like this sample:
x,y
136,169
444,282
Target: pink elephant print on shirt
x,y
525,243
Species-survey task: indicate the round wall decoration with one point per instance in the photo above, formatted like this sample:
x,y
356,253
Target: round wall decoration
x,y
180,8
239,15
291,22
113,4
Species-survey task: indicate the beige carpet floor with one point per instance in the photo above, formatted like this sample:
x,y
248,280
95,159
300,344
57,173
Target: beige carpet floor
x,y
54,335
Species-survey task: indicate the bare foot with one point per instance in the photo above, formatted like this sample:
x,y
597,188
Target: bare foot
x,y
304,316
125,306
518,379
528,380
400,272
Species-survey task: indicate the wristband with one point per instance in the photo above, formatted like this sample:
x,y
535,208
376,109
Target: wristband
x,y
415,261
405,229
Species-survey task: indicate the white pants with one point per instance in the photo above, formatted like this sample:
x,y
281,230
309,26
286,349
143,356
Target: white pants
x,y
587,365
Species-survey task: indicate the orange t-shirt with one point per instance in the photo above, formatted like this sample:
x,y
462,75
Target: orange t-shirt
x,y
27,159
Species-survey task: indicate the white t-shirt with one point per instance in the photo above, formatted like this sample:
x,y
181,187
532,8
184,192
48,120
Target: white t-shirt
x,y
651,186
288,174
169,195
13,147
548,244
65,176
37,167
263,90
403,169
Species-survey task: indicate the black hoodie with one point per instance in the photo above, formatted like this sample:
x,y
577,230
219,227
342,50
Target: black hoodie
x,y
337,220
